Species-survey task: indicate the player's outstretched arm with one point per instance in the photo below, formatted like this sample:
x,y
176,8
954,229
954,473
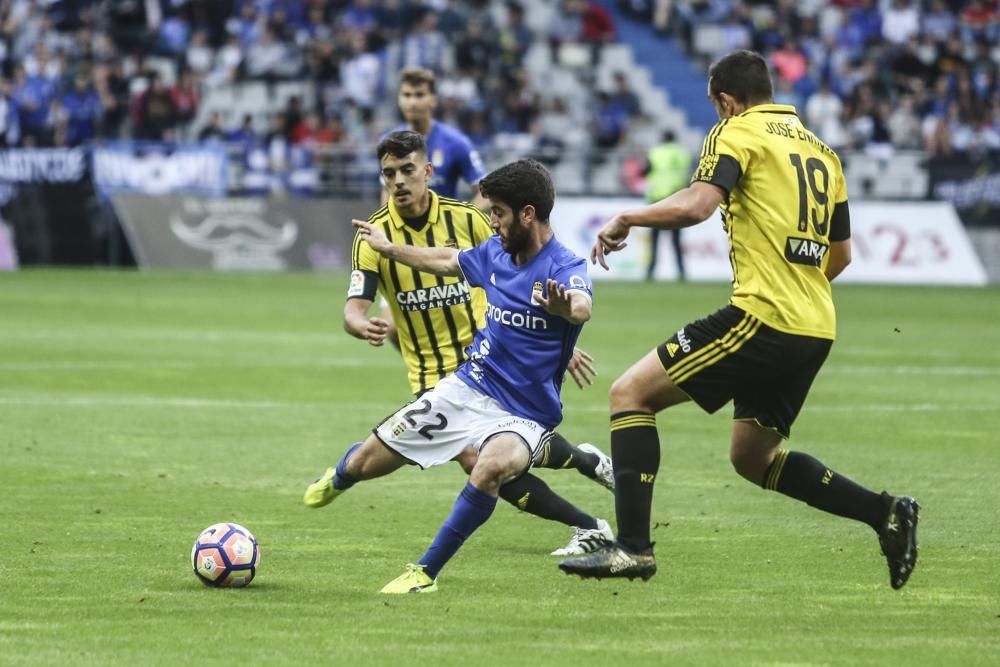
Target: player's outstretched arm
x,y
358,324
439,261
682,209
569,304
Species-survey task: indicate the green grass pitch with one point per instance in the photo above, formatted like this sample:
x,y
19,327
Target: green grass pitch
x,y
137,409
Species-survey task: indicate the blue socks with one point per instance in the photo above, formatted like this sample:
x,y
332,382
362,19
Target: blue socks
x,y
472,508
342,480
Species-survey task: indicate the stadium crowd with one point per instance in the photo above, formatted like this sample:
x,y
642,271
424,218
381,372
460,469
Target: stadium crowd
x,y
76,71
875,75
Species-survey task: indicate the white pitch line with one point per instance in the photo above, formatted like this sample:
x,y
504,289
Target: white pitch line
x,y
901,407
974,371
894,352
103,365
193,335
382,407
177,402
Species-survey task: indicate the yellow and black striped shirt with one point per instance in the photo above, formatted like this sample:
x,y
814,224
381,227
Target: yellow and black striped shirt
x,y
437,317
787,199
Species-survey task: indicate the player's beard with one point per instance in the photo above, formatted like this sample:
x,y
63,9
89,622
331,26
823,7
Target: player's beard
x,y
517,239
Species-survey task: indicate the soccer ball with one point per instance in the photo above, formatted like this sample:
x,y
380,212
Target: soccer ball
x,y
225,554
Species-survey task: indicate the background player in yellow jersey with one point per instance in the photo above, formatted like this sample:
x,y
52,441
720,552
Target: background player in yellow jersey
x,y
784,208
438,318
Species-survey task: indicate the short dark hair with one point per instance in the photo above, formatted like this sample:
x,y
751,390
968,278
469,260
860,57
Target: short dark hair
x,y
401,144
519,184
417,76
742,74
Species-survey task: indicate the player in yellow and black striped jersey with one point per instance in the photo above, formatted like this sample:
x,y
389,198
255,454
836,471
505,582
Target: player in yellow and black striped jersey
x,y
785,212
437,317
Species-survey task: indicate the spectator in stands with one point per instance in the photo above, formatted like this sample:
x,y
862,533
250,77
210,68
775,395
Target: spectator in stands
x,y
520,108
566,26
550,130
186,94
175,34
228,63
360,16
784,93
951,57
80,111
598,29
34,96
790,62
476,50
39,63
901,21
938,22
904,125
156,115
908,70
279,24
10,125
696,12
245,27
199,55
213,130
393,18
609,123
823,114
984,69
276,144
453,19
866,21
307,131
937,137
361,73
423,46
244,135
622,97
979,21
736,33
269,58
331,131
985,137
514,39
113,87
960,130
323,63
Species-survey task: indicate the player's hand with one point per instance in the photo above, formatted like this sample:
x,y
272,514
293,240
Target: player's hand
x,y
559,301
375,331
373,235
581,368
610,239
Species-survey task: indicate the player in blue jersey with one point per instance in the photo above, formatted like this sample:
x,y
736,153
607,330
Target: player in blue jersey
x,y
504,401
449,150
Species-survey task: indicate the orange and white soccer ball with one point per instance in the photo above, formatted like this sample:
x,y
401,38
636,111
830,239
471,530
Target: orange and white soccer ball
x,y
225,554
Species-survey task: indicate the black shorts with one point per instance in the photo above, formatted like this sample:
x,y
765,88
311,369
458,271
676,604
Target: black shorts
x,y
731,355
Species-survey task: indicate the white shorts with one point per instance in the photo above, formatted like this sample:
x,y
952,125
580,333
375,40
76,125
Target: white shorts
x,y
436,427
